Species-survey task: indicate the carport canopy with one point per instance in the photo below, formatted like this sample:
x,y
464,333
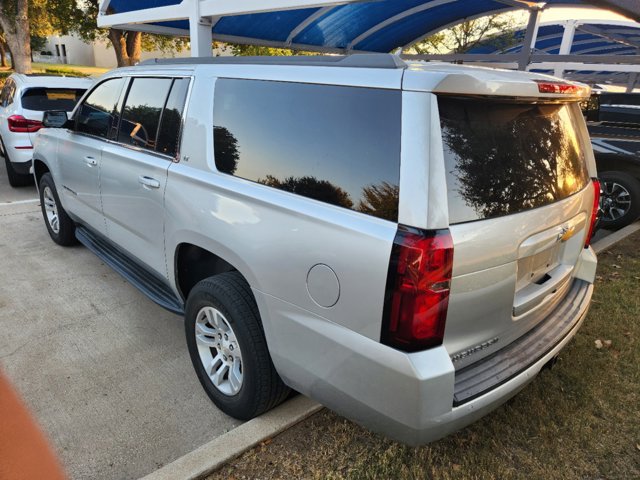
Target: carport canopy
x,y
593,37
578,38
326,26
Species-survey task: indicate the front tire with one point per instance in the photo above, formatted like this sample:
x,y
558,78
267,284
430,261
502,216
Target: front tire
x,y
620,202
228,348
61,228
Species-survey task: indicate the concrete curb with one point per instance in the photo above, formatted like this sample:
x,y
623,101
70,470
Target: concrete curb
x,y
615,237
211,456
217,452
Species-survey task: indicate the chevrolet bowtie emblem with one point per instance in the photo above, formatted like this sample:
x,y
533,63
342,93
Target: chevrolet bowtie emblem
x,y
566,234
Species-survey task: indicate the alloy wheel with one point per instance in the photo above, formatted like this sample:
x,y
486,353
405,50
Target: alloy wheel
x,y
616,201
51,209
219,350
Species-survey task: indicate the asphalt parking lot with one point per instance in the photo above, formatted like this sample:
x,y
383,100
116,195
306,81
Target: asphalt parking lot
x,y
104,370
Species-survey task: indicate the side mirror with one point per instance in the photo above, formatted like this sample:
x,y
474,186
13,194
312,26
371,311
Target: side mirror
x,y
54,119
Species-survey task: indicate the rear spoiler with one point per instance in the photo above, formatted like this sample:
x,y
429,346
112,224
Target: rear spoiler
x,y
481,81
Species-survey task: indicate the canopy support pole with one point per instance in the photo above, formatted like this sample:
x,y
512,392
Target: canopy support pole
x,y
565,45
529,37
200,32
633,78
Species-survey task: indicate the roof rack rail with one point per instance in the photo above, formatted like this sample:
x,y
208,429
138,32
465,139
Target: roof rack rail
x,y
356,60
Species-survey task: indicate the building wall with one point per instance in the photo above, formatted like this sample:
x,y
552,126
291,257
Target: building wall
x,y
105,57
100,53
77,51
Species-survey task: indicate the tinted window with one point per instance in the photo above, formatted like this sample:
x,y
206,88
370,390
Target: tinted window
x,y
42,99
504,158
98,114
171,121
339,145
142,110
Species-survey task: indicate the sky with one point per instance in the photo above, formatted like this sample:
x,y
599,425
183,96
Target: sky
x,y
566,13
555,14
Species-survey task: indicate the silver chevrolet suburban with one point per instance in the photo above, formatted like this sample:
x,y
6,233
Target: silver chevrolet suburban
x,y
407,243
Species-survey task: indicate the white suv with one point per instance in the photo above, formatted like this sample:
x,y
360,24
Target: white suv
x,y
23,100
406,243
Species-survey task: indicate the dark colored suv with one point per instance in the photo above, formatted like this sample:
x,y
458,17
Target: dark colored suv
x,y
613,120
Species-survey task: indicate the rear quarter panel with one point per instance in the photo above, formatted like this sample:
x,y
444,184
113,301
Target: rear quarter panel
x,y
273,237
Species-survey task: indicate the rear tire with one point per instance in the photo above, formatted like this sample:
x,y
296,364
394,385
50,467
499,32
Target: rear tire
x,y
620,202
228,348
15,179
61,228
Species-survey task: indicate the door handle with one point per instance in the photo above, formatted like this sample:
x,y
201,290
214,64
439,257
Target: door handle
x,y
90,161
148,182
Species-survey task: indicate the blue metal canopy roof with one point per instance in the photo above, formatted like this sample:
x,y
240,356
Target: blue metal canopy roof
x,y
378,26
591,38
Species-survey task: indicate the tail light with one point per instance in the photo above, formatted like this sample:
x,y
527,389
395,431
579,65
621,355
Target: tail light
x,y
549,86
17,123
594,213
417,294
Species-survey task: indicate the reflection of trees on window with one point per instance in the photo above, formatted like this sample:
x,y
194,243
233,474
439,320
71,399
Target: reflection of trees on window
x,y
509,158
311,187
380,201
169,132
226,151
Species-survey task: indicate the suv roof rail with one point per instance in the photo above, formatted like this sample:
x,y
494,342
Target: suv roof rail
x,y
357,60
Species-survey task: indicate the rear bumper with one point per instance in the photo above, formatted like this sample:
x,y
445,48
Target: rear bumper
x,y
22,165
408,397
20,150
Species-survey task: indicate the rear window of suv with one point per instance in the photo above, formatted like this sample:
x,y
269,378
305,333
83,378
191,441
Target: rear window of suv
x,y
42,99
339,145
503,158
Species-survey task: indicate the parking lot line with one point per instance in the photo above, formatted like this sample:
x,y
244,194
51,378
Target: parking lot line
x,y
19,202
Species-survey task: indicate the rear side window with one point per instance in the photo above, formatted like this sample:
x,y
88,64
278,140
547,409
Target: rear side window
x,y
503,158
339,145
42,99
142,111
171,122
98,114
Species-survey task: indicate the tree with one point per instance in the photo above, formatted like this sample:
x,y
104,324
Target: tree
x,y
495,30
380,201
37,44
311,187
81,17
24,21
258,51
225,150
14,21
127,44
3,51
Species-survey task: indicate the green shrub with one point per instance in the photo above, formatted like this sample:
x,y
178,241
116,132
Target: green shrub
x,y
64,72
